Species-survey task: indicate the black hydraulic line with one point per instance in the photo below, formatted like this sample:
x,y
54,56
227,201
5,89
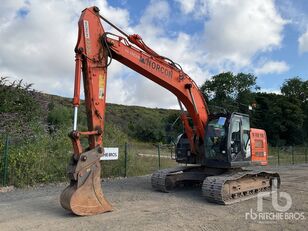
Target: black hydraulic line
x,y
114,26
127,36
104,42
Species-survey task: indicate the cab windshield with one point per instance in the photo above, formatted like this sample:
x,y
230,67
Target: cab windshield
x,y
216,139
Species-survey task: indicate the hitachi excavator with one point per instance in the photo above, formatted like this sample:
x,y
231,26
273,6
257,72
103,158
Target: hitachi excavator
x,y
213,149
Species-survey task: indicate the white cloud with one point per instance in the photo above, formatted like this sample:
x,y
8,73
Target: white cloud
x,y
235,31
181,48
303,42
239,29
272,67
41,45
186,6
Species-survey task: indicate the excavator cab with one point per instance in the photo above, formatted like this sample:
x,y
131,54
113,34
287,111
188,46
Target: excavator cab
x,y
227,141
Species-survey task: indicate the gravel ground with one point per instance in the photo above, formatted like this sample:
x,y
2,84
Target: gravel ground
x,y
138,207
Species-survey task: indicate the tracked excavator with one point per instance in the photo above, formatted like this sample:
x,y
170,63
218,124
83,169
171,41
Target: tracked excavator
x,y
214,149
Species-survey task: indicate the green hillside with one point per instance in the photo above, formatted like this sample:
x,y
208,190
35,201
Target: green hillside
x,y
37,127
24,111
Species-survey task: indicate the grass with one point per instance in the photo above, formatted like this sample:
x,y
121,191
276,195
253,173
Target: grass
x,y
45,160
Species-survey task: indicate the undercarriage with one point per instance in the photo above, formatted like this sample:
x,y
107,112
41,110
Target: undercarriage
x,y
221,186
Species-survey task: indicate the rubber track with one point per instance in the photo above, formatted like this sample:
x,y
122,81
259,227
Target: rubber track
x,y
158,179
212,188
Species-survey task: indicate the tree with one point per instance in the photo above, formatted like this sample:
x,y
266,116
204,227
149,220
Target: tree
x,y
281,118
295,88
226,90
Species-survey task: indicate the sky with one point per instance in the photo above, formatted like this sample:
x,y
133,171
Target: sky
x,y
206,37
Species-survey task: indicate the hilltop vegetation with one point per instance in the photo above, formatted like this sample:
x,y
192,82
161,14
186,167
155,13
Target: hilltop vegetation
x,y
283,116
38,125
24,111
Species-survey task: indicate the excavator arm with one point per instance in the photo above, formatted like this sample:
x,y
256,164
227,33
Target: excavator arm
x,y
84,195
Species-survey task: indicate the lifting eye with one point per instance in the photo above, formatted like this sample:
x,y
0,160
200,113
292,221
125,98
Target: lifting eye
x,y
188,85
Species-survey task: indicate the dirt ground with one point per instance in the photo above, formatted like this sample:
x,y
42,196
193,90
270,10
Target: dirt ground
x,y
138,207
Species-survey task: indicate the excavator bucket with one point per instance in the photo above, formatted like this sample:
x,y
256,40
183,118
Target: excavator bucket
x,y
84,195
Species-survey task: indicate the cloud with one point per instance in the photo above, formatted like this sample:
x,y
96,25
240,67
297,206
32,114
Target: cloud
x,y
238,29
43,35
294,13
187,6
39,39
181,48
272,67
303,43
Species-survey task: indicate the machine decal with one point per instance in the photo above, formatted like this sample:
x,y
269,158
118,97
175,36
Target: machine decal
x,y
155,66
86,29
101,86
87,36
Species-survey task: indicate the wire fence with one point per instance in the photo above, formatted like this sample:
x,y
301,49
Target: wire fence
x,y
33,161
29,162
137,159
287,155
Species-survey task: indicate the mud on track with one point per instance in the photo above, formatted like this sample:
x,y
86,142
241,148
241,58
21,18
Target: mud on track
x,y
138,207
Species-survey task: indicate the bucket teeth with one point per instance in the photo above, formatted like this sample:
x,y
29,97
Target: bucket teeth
x,y
84,195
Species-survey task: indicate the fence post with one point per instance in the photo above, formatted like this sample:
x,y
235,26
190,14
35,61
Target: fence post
x,y
278,156
125,160
5,160
158,152
292,155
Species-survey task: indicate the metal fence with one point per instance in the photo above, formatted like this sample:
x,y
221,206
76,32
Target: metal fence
x,y
139,159
23,163
4,161
288,155
26,162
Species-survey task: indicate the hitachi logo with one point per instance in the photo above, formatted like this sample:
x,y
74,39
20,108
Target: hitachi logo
x,y
156,67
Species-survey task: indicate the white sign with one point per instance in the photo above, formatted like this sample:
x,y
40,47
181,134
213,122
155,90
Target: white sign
x,y
110,154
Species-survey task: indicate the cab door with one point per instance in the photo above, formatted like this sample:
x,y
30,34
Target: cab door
x,y
239,140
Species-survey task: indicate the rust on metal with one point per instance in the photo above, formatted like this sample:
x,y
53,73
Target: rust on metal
x,y
88,199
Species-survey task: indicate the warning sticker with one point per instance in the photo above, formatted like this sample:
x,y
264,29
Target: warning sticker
x,y
86,29
101,86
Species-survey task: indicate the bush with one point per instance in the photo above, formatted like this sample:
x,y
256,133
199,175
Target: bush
x,y
18,97
59,116
39,161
